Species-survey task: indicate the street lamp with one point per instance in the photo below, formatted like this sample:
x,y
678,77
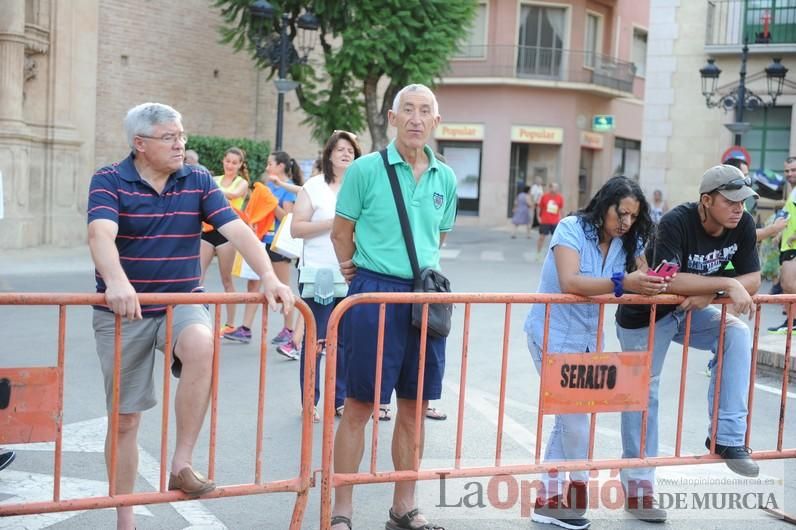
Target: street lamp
x,y
739,97
279,50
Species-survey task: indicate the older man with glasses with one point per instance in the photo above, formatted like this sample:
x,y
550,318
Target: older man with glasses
x,y
144,225
702,238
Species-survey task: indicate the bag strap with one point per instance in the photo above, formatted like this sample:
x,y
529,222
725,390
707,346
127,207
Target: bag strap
x,y
402,216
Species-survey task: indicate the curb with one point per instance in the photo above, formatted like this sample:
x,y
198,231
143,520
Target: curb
x,y
771,353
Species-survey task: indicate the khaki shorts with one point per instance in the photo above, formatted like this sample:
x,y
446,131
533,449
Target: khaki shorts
x,y
140,339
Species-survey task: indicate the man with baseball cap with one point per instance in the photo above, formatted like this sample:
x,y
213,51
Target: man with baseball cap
x,y
702,238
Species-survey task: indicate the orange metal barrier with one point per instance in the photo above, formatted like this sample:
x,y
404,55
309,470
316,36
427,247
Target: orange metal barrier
x,y
634,397
35,411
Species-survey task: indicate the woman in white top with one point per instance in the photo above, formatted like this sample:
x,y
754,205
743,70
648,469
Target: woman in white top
x,y
313,215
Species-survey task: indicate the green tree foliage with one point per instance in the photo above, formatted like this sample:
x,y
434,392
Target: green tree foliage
x,y
211,151
371,49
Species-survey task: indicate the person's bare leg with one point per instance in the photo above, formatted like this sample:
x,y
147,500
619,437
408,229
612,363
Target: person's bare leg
x,y
787,280
252,286
282,271
195,349
403,443
206,253
349,446
298,333
540,243
126,463
226,259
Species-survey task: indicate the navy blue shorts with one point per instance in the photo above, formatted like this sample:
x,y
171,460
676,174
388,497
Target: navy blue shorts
x,y
360,329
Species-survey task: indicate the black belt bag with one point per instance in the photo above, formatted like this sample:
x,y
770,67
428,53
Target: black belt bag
x,y
439,315
427,280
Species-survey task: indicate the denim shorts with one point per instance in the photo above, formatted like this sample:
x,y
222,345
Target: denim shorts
x,y
401,345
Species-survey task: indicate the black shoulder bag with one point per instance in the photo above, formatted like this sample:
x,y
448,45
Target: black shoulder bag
x,y
427,280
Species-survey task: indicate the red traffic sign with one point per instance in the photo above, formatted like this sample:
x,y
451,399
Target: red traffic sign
x,y
737,151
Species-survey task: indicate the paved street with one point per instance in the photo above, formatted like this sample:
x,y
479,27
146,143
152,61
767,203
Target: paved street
x,y
475,260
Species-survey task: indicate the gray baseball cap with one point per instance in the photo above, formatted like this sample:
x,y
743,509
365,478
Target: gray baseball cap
x,y
727,180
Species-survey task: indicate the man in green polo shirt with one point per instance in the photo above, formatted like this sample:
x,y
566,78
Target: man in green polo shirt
x,y
377,262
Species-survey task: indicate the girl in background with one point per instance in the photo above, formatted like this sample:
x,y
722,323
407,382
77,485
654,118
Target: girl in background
x,y
234,183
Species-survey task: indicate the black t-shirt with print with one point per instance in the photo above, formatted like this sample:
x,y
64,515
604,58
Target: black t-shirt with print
x,y
682,239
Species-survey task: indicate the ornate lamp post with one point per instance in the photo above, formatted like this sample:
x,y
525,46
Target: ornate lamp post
x,y
739,97
278,50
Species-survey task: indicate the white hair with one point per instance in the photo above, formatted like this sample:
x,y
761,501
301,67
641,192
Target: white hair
x,y
141,119
417,87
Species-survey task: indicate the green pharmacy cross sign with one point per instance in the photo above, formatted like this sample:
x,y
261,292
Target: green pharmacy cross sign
x,y
603,123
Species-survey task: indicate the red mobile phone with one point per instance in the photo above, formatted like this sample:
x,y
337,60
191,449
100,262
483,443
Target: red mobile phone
x,y
664,269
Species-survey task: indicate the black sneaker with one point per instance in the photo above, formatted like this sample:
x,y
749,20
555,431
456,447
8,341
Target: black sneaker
x,y
6,458
737,458
781,329
556,513
645,509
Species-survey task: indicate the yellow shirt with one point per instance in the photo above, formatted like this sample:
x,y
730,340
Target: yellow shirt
x,y
790,230
235,203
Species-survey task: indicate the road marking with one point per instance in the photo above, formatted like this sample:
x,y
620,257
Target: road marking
x,y
23,486
492,255
486,404
449,253
775,391
89,437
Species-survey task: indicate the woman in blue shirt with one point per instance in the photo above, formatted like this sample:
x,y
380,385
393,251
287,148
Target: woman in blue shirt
x,y
592,252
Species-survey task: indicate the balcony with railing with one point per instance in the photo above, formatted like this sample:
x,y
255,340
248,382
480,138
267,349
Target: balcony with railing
x,y
769,22
543,64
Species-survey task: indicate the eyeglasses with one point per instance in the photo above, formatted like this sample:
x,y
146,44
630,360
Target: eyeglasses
x,y
735,184
338,131
169,138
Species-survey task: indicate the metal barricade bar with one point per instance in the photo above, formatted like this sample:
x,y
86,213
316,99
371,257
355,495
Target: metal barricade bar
x,y
299,484
331,479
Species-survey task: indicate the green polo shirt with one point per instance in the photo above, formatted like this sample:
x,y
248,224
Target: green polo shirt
x,y
366,199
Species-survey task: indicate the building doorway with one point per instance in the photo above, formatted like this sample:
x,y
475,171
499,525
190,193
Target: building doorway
x,y
465,160
518,173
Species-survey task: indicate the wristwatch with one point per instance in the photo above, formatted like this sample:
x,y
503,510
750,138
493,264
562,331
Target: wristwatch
x,y
721,294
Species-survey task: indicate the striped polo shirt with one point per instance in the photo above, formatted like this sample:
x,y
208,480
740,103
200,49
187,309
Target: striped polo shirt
x,y
159,233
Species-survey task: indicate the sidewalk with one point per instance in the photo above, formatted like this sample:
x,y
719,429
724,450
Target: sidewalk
x,y
45,260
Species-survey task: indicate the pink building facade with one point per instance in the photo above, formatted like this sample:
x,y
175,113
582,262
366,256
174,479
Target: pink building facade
x,y
543,90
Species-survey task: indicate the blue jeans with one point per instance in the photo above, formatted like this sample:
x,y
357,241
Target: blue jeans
x,y
569,440
734,383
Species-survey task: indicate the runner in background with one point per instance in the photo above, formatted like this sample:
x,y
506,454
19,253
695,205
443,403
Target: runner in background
x,y
550,206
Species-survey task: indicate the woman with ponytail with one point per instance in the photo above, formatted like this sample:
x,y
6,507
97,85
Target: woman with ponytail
x,y
285,179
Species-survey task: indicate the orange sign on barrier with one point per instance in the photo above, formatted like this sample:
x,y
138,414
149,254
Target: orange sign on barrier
x,y
34,410
595,382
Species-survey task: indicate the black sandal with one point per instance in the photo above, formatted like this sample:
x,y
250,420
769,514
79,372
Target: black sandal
x,y
405,522
338,519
